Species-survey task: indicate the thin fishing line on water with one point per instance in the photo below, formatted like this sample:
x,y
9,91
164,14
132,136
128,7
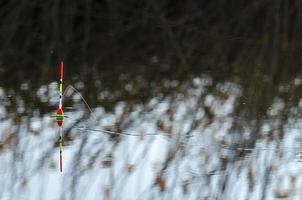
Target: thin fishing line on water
x,y
107,131
298,154
232,147
79,93
255,149
121,133
70,87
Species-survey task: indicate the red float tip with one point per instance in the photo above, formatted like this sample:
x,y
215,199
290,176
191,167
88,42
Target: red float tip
x,y
61,70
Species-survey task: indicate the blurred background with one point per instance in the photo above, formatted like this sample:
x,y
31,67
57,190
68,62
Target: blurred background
x,y
207,95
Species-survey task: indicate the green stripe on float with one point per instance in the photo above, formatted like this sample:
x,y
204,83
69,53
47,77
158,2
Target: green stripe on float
x,y
60,118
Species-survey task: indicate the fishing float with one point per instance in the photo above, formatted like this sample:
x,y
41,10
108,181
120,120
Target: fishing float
x,y
60,116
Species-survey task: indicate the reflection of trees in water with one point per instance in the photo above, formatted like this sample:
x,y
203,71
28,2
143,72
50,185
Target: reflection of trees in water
x,y
179,152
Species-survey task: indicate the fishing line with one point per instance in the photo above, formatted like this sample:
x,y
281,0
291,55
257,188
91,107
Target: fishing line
x,y
224,146
123,133
102,130
79,93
